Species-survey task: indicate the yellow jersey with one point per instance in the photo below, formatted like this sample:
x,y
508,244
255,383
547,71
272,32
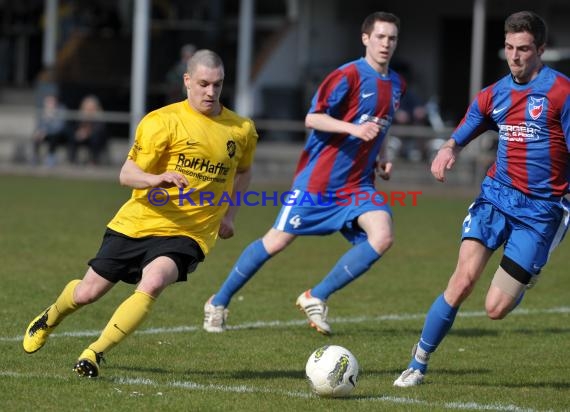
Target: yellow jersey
x,y
208,151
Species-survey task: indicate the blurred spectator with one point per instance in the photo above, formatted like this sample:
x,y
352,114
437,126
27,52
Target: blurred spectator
x,y
51,129
174,76
90,131
46,85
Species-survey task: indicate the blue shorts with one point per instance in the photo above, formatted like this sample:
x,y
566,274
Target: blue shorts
x,y
529,228
307,213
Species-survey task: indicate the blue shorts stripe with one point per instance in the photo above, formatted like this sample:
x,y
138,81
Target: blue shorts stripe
x,y
286,211
562,228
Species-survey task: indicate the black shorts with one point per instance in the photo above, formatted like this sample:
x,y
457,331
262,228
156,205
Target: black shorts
x,y
122,258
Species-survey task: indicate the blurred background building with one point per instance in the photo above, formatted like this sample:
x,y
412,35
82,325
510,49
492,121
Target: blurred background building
x,y
276,52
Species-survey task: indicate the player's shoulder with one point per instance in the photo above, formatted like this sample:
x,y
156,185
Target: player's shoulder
x,y
503,85
229,118
228,115
348,70
352,63
560,77
165,111
394,76
351,69
172,108
504,82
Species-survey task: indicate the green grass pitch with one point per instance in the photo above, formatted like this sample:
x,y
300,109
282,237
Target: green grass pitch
x,y
49,228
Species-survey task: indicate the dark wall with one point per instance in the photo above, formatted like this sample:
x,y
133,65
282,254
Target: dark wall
x,y
456,53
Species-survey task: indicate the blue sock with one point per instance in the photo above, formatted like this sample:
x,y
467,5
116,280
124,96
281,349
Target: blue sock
x,y
350,266
438,321
250,261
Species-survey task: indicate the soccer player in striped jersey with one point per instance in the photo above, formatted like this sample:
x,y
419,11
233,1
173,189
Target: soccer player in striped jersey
x,y
521,205
333,189
163,231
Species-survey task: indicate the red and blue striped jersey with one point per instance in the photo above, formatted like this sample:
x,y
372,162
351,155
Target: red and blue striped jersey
x,y
533,122
354,93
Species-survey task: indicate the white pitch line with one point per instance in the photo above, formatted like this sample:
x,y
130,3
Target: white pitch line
x,y
283,324
244,389
289,323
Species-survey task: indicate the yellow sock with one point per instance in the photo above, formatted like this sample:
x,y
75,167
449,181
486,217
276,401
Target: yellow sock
x,y
64,305
128,316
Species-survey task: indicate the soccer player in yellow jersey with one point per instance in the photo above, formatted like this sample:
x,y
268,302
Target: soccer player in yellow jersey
x,y
187,161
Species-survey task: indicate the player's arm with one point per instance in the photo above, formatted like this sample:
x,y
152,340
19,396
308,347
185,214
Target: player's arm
x,y
383,162
151,142
241,183
445,159
326,123
565,120
133,176
475,122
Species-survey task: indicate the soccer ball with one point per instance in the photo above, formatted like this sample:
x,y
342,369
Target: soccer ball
x,y
332,371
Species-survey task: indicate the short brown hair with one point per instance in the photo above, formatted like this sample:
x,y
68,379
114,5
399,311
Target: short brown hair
x,y
527,21
370,20
206,58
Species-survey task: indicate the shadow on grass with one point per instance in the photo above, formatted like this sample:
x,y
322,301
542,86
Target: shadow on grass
x,y
415,332
535,385
251,374
118,368
387,374
396,372
546,331
474,332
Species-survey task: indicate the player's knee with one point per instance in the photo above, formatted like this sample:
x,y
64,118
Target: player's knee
x,y
507,287
152,288
281,246
154,283
496,310
85,295
464,285
459,288
275,246
381,243
387,242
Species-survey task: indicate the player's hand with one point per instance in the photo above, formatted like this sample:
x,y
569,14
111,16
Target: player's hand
x,y
444,161
171,179
226,230
384,169
367,131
